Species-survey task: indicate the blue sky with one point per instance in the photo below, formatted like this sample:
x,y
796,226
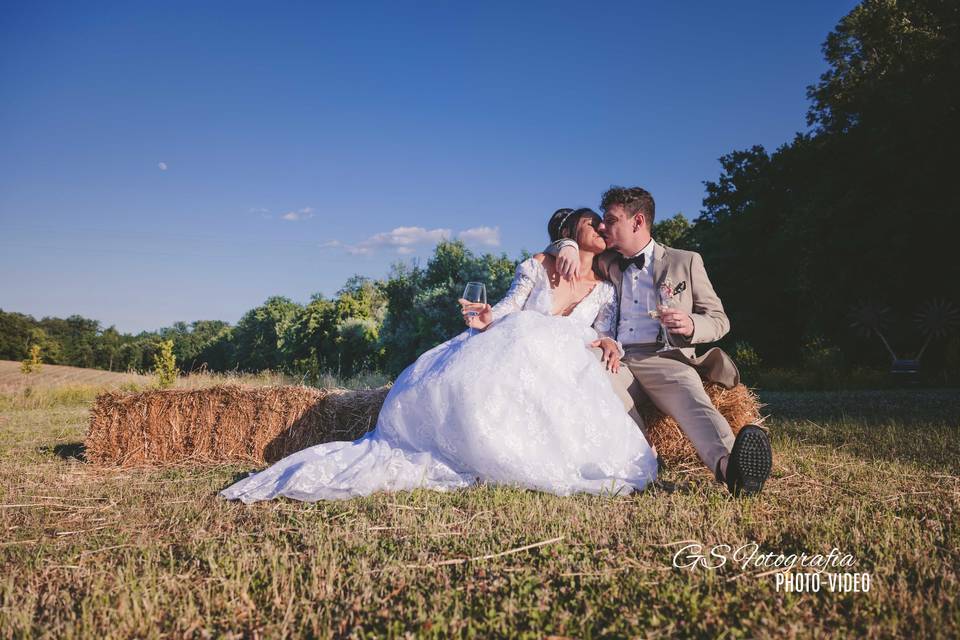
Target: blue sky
x,y
185,161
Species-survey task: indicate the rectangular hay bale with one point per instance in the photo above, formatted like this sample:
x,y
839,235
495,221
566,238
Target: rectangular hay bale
x,y
230,423
227,423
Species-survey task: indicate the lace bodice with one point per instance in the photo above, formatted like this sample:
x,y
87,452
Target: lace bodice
x,y
530,290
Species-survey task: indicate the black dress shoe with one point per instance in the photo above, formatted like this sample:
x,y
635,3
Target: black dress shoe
x,y
750,461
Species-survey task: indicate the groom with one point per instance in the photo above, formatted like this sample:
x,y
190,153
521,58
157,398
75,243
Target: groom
x,y
638,267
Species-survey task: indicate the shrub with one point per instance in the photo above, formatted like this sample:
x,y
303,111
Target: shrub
x,y
746,356
34,362
823,361
165,365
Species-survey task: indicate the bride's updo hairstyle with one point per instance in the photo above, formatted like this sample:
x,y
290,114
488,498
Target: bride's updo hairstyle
x,y
563,222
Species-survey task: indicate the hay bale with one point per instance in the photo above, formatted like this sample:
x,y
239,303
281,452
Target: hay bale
x,y
239,424
227,423
739,405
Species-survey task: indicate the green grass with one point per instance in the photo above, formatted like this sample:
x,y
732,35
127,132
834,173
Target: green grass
x,y
89,552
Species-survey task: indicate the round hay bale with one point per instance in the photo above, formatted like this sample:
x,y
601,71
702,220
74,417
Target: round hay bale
x,y
739,406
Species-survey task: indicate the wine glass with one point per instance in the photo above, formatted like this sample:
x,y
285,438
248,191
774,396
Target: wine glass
x,y
475,292
665,300
652,309
655,303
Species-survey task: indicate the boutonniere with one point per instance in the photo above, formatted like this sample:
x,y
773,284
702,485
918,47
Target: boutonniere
x,y
668,290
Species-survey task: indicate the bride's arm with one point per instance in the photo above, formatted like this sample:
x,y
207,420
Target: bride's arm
x,y
554,247
523,282
605,323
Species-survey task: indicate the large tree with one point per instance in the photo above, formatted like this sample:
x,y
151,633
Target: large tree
x,y
858,208
258,337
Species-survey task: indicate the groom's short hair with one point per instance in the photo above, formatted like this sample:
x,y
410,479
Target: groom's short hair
x,y
634,200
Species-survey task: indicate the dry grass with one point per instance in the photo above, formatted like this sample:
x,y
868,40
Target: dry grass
x,y
56,385
52,377
93,552
13,381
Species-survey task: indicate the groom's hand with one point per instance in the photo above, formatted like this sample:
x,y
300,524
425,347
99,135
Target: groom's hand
x,y
568,263
677,321
611,355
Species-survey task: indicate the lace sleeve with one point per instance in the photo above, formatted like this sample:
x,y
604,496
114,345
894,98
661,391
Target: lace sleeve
x,y
523,283
606,321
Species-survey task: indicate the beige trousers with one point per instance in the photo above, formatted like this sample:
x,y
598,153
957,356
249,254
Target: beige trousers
x,y
676,389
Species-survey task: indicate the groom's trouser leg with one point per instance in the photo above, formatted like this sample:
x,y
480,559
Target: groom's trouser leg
x,y
627,389
677,390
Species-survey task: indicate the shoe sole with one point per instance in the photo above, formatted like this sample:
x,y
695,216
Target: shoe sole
x,y
754,460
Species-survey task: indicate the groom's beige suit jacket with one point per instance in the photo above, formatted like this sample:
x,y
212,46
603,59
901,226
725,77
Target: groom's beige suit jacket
x,y
699,300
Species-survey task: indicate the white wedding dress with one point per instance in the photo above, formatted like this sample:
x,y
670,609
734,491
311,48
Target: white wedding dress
x,y
523,403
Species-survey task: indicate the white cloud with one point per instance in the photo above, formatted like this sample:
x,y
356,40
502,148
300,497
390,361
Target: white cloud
x,y
487,236
330,244
300,214
162,165
403,240
264,213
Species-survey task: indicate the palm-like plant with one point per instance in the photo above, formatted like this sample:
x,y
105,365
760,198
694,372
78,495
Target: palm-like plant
x,y
868,318
936,319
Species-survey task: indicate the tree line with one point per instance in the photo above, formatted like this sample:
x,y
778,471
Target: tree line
x,y
369,325
836,247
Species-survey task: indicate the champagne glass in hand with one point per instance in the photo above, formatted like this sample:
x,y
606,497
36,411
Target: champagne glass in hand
x,y
476,311
665,300
653,305
475,292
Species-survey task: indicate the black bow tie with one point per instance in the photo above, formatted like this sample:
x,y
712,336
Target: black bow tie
x,y
637,261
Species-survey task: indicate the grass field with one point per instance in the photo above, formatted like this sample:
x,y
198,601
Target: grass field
x,y
89,552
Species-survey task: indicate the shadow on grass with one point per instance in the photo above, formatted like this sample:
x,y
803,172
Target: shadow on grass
x,y
670,486
66,451
919,427
902,406
240,475
237,477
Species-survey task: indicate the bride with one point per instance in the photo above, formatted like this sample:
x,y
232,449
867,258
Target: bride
x,y
519,399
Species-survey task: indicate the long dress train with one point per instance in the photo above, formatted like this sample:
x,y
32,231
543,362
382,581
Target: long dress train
x,y
523,403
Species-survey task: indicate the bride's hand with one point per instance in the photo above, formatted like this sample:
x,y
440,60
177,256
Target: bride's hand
x,y
611,355
484,314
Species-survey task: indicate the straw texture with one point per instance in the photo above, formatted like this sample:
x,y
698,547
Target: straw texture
x,y
231,423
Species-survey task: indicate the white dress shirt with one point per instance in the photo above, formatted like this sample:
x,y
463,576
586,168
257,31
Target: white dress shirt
x,y
637,297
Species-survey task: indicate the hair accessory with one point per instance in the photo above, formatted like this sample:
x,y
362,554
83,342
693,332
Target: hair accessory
x,y
563,220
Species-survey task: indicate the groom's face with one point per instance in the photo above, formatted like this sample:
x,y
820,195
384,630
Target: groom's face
x,y
618,228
